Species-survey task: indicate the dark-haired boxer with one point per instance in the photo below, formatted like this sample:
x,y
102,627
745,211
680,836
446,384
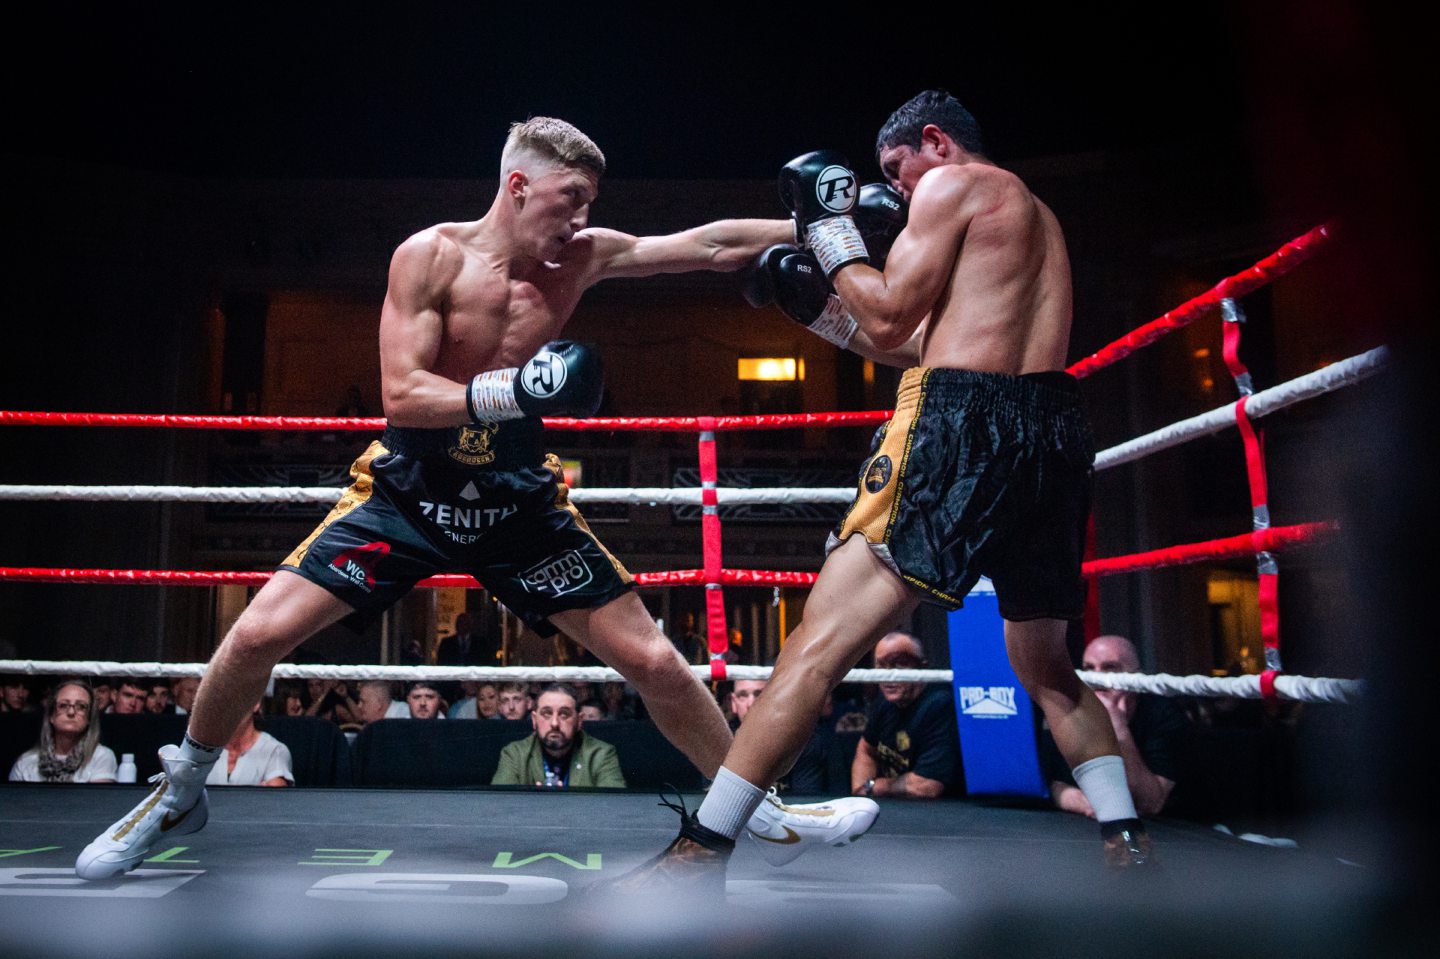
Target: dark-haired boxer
x,y
460,480
984,468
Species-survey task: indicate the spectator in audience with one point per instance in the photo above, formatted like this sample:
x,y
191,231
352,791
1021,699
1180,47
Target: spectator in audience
x,y
911,747
487,701
514,700
482,701
130,697
289,698
467,646
734,653
742,695
423,700
1153,731
558,754
810,772
619,702
69,750
15,695
377,702
592,710
413,653
157,697
691,643
104,692
252,758
334,699
183,690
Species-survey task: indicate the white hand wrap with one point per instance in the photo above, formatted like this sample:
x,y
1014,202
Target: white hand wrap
x,y
491,397
834,323
835,242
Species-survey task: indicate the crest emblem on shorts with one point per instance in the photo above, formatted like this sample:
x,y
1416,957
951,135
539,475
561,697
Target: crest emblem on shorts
x,y
877,474
474,446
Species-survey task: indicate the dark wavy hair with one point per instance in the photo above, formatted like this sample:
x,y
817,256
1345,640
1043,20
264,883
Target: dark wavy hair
x,y
933,106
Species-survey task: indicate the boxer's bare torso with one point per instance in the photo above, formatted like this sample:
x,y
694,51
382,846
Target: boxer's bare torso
x,y
1006,308
979,279
464,298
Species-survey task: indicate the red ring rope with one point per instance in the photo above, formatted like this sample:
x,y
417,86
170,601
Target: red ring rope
x,y
595,424
1279,537
1277,264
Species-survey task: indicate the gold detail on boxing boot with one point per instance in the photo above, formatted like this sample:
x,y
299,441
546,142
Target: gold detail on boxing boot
x,y
790,837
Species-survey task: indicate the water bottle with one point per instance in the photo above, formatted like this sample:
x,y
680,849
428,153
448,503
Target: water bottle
x,y
126,772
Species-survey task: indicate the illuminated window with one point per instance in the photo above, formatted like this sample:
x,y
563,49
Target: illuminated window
x,y
772,369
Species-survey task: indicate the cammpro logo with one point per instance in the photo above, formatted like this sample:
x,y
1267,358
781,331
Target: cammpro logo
x,y
357,564
988,702
558,575
544,375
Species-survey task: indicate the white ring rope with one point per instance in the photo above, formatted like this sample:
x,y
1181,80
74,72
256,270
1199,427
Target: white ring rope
x,y
327,495
1324,380
1297,688
1321,381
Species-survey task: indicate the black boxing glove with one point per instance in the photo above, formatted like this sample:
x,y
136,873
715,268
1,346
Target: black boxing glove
x,y
880,215
795,283
820,190
563,379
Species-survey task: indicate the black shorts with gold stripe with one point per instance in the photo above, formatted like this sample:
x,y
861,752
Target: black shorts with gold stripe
x,y
484,500
981,474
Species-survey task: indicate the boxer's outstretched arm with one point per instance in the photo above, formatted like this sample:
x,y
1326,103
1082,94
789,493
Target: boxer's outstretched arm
x,y
411,325
890,306
724,246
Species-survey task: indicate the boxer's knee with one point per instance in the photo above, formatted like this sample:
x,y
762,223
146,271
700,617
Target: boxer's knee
x,y
257,637
651,663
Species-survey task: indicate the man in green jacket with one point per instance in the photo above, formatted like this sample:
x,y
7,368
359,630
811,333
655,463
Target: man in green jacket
x,y
558,753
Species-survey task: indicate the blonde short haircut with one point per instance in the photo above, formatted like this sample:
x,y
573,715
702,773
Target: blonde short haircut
x,y
551,139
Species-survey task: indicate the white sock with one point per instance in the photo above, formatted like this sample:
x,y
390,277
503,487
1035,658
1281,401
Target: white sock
x,y
729,804
199,753
1102,780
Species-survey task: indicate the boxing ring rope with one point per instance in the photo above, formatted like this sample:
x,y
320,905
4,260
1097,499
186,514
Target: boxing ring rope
x,y
1271,268
710,496
1327,379
1297,688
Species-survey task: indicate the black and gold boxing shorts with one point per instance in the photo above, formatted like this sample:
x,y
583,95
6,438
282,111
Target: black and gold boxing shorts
x,y
459,502
981,474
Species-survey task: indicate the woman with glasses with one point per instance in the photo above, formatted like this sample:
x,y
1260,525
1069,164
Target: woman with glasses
x,y
69,750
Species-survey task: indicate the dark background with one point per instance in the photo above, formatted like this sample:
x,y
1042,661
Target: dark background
x,y
426,91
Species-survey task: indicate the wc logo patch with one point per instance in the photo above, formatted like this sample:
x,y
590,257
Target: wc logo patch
x,y
474,446
877,474
357,564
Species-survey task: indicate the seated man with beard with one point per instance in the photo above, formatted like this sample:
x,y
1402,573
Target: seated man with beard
x,y
558,754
